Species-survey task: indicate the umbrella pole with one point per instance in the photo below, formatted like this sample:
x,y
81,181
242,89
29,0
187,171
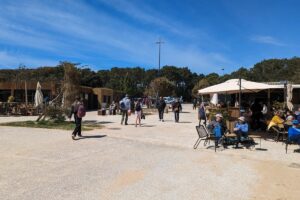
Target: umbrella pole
x,y
269,99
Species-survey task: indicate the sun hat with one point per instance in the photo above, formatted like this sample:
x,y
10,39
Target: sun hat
x,y
219,115
295,122
242,118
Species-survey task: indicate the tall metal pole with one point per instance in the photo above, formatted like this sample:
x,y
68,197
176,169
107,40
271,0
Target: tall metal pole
x,y
159,42
240,94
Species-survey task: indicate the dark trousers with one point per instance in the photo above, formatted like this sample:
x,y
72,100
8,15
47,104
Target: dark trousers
x,y
176,113
77,130
161,114
256,120
124,116
239,134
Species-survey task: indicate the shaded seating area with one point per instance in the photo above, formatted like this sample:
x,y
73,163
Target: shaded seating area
x,y
14,108
225,140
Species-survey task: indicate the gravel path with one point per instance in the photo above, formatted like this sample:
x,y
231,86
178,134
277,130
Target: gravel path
x,y
155,161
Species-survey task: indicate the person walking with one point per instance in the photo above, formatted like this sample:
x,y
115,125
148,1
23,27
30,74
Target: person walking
x,y
202,114
161,105
194,104
138,113
74,108
176,109
256,110
79,113
125,106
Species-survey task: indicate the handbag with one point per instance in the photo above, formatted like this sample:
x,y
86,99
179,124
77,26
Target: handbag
x,y
143,116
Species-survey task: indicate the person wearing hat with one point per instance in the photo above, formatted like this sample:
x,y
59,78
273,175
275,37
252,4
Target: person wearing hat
x,y
241,129
217,127
294,132
218,121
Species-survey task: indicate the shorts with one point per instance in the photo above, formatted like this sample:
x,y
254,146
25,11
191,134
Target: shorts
x,y
138,114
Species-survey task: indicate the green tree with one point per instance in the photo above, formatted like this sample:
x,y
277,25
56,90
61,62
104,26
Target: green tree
x,y
71,83
160,86
203,83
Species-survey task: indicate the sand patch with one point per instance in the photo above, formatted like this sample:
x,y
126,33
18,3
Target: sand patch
x,y
278,181
123,180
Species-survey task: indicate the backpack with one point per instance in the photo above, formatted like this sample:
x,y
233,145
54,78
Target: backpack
x,y
81,111
122,105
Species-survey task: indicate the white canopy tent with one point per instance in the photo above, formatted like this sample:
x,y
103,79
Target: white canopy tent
x,y
232,86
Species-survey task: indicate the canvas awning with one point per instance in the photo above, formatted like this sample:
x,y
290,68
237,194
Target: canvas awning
x,y
233,86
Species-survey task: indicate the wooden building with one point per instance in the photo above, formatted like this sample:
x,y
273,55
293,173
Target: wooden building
x,y
94,97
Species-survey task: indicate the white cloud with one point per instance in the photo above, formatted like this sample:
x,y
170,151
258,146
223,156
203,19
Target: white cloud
x,y
76,30
9,59
264,39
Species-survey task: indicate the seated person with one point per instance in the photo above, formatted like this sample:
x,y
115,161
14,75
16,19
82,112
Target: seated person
x,y
241,129
217,126
276,121
289,118
112,108
297,113
294,132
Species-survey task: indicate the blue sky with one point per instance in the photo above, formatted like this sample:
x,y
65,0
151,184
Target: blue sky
x,y
205,35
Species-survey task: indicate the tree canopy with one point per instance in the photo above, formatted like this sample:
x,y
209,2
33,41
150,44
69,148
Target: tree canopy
x,y
135,80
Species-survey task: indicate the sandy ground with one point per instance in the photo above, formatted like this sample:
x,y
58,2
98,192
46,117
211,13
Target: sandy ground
x,y
155,161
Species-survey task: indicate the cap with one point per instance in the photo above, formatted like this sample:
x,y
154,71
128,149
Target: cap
x,y
219,115
242,118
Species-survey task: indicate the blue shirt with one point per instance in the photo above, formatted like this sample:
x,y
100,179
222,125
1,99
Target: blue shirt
x,y
126,101
242,127
294,134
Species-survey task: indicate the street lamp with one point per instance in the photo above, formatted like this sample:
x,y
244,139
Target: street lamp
x,y
159,42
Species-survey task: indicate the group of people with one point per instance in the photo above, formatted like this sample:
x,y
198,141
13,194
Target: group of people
x,y
125,107
287,121
218,127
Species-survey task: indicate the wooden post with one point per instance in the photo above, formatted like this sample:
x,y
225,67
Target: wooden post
x,y
269,99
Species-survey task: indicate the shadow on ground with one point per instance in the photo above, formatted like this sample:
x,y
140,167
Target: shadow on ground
x,y
91,122
148,126
90,137
114,128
